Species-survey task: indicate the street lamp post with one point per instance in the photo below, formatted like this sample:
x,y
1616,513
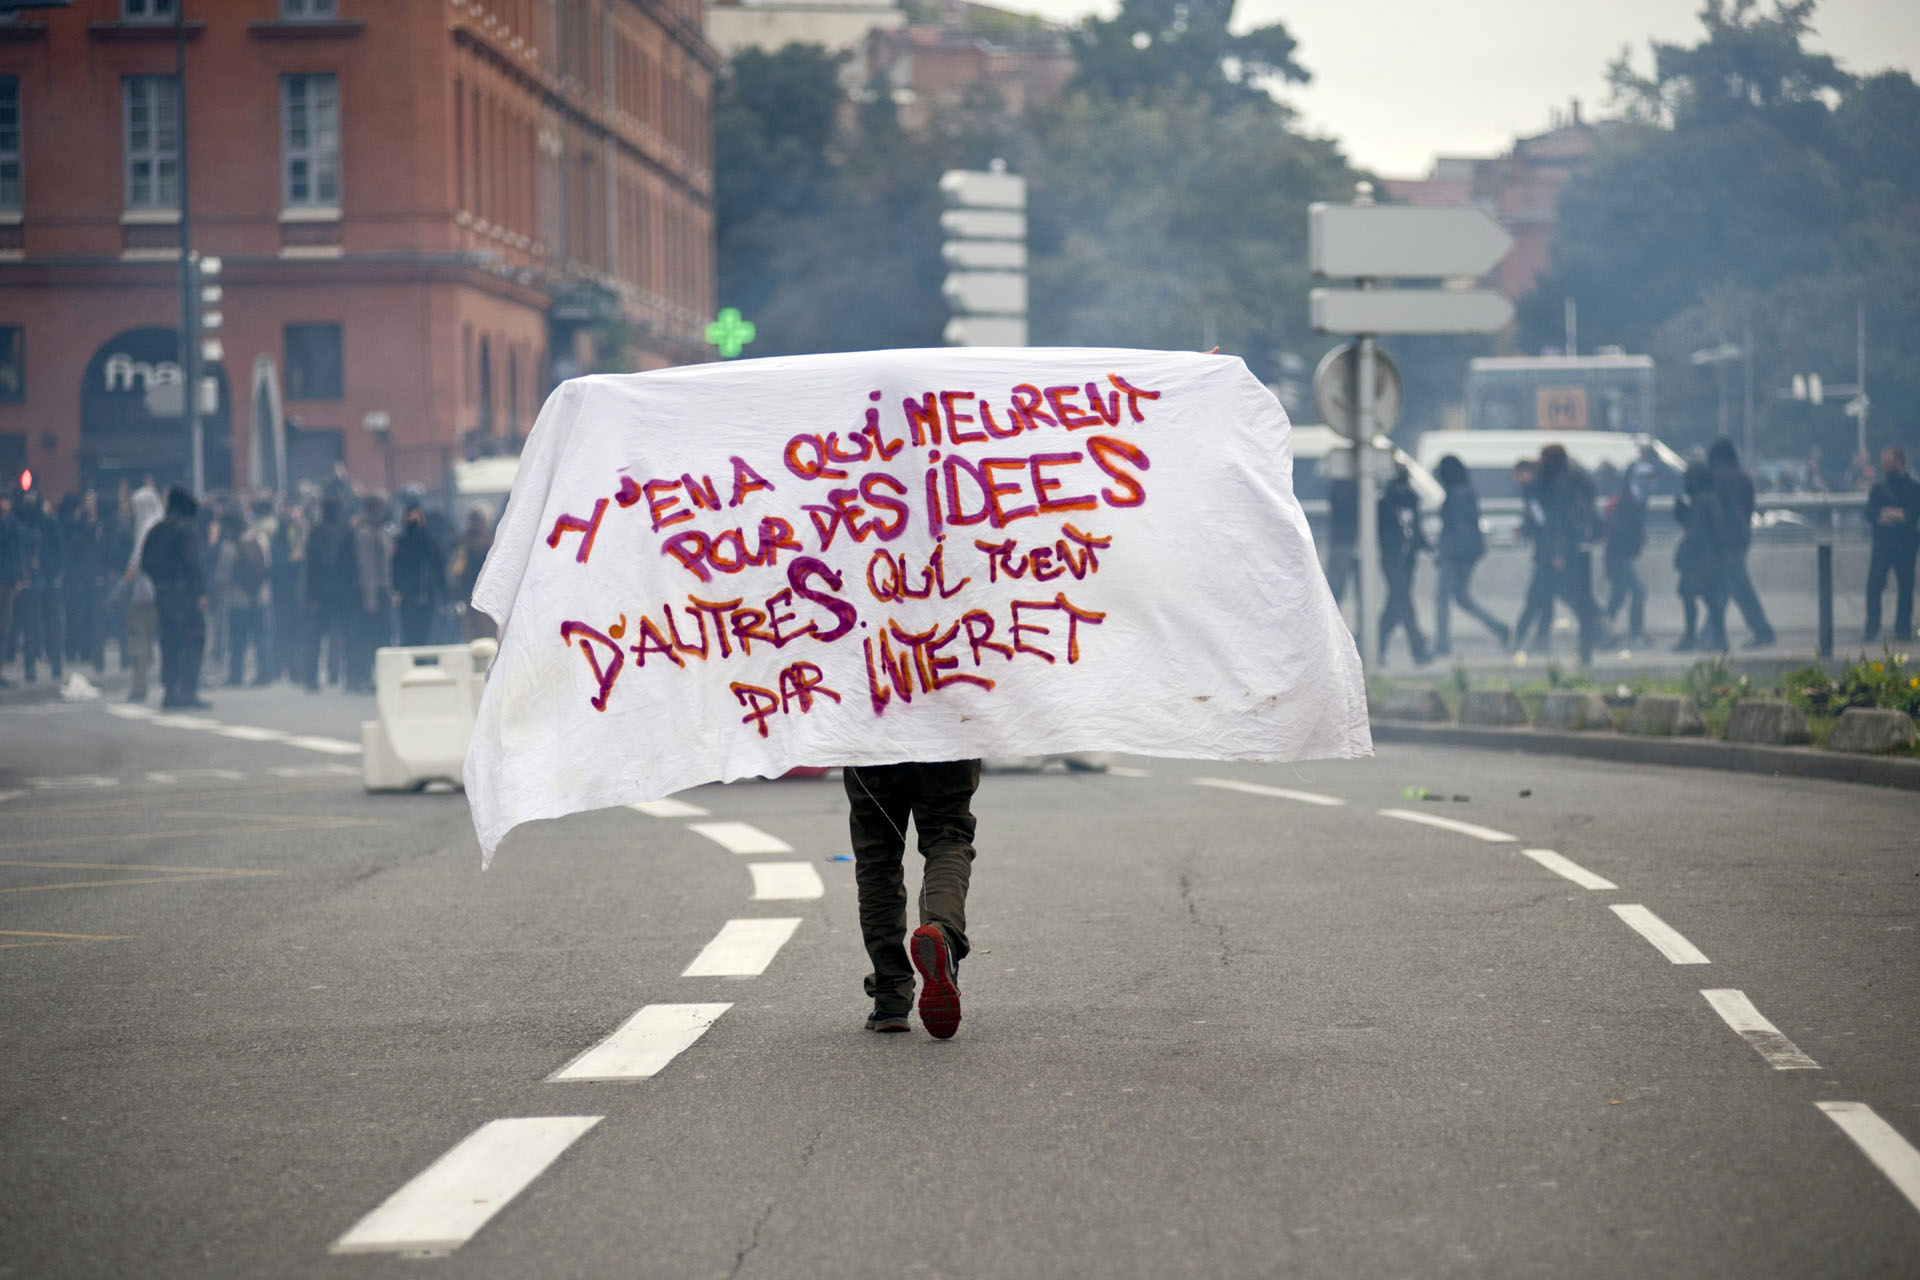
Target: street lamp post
x,y
189,331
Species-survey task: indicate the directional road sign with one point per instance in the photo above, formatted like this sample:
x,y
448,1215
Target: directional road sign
x,y
983,224
985,255
1409,311
1388,241
983,189
994,292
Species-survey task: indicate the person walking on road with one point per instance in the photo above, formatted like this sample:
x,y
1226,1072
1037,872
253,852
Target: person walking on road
x,y
373,560
1700,562
1461,546
1893,512
12,573
41,614
1401,542
1343,534
1626,525
419,577
939,799
171,558
143,619
1536,612
1734,489
1565,500
240,576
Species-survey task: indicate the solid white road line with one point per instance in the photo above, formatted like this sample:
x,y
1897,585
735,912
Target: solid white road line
x,y
442,1208
332,746
170,720
1893,1154
1738,1012
252,733
315,771
785,881
1570,869
1449,824
741,837
1278,793
74,782
173,777
10,795
669,808
644,1044
131,711
742,948
1127,771
1665,938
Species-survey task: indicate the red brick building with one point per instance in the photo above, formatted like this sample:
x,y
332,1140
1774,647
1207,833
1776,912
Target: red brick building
x,y
425,212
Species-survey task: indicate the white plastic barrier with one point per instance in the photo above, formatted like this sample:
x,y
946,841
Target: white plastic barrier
x,y
426,698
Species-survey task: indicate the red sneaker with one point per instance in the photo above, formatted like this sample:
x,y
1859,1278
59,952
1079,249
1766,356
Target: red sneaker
x,y
939,984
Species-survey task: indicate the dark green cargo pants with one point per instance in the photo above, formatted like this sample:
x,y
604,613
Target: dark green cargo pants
x,y
939,799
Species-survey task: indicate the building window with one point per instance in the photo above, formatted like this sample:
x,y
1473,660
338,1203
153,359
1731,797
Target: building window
x,y
147,10
153,142
310,140
313,362
9,144
13,364
307,10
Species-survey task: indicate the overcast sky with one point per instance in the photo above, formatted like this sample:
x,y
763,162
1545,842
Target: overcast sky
x,y
1400,81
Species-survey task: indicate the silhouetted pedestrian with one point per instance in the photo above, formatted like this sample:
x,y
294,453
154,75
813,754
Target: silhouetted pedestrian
x,y
1565,499
1461,546
1626,538
1401,542
1893,512
1734,489
419,578
1700,562
172,559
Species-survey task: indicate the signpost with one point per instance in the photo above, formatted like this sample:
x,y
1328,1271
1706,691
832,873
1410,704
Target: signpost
x,y
1366,242
985,229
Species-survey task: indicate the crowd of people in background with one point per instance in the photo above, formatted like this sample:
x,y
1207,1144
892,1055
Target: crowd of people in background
x,y
1567,515
255,588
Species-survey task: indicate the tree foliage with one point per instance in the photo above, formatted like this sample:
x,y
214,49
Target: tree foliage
x,y
1750,186
1154,48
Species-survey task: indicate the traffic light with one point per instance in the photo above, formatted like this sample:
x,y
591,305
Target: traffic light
x,y
985,225
212,351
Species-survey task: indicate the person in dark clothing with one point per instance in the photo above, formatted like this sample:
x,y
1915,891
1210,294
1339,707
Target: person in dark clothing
x,y
467,563
171,558
1461,546
1343,534
1536,614
1700,561
86,604
938,797
1401,542
1734,489
1893,512
332,592
42,617
1565,500
240,579
1626,539
419,578
286,549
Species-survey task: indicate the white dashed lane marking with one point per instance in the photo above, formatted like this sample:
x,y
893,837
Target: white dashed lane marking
x,y
644,1044
1665,938
742,949
331,746
1451,824
174,777
1738,1012
740,837
74,782
460,1192
252,733
785,881
242,732
1277,793
1892,1154
668,808
1567,867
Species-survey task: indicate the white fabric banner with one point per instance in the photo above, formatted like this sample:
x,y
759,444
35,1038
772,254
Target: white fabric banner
x,y
723,571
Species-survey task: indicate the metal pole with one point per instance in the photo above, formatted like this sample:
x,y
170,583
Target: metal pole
x,y
1367,584
1746,356
1860,371
1823,560
189,339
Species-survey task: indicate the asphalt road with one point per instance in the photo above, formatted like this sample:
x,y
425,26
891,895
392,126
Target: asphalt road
x,y
1208,1030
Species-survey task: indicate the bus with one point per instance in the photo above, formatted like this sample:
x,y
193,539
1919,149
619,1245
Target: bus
x,y
1561,393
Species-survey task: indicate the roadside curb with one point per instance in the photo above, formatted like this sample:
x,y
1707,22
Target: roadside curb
x,y
1738,757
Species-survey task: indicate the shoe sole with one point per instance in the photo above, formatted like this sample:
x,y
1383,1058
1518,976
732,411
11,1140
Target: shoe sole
x,y
889,1024
939,995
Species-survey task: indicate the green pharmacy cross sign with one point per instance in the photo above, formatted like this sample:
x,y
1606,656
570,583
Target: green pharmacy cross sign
x,y
730,333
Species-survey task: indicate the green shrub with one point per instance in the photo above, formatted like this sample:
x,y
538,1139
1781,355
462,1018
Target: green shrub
x,y
1891,681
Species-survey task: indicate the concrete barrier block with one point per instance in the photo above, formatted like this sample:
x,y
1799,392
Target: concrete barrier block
x,y
1410,702
1767,720
1571,709
1665,715
1492,706
1871,729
